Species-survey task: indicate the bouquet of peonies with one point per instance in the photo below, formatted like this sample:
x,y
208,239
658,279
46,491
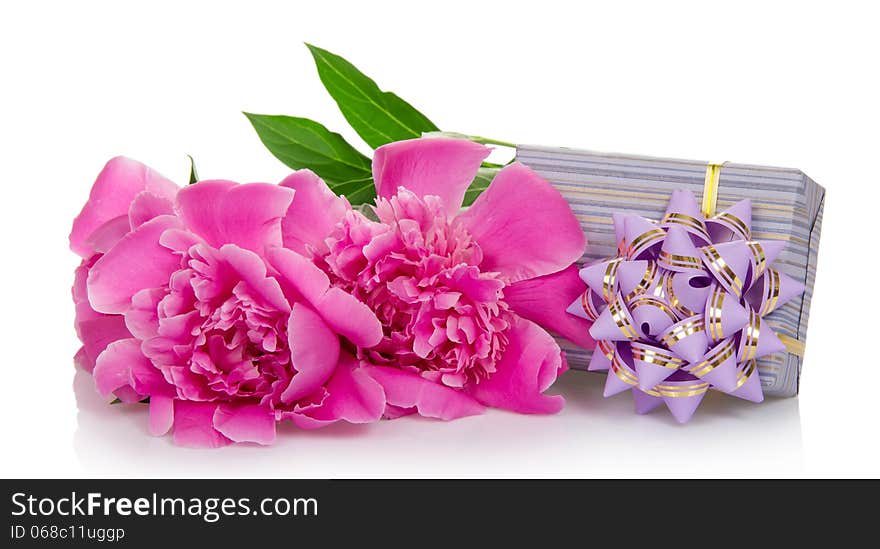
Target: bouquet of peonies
x,y
425,280
232,307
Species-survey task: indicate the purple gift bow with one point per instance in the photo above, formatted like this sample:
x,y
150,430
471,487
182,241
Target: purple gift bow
x,y
681,309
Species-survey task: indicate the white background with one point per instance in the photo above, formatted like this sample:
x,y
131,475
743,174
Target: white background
x,y
790,84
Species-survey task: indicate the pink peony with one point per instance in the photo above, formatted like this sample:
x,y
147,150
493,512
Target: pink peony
x,y
187,297
462,297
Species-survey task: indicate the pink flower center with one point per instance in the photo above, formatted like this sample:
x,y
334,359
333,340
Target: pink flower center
x,y
240,347
419,272
230,343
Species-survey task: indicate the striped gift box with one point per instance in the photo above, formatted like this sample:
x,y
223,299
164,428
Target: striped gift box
x,y
786,205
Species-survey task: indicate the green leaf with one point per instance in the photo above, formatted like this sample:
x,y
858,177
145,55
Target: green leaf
x,y
303,143
193,174
358,191
480,183
378,117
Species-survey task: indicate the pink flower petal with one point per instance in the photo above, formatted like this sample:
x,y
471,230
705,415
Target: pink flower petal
x,y
223,212
436,166
161,415
146,206
141,318
530,364
524,226
352,396
313,213
79,291
113,365
245,423
97,332
299,274
111,195
81,361
127,395
194,425
122,364
180,240
252,270
94,329
314,352
350,318
432,399
146,379
107,235
394,412
544,300
342,312
137,262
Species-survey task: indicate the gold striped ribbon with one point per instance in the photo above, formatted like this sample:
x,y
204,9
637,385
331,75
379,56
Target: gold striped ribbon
x,y
710,203
710,188
792,345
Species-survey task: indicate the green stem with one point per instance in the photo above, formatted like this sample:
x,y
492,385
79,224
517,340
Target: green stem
x,y
474,138
489,141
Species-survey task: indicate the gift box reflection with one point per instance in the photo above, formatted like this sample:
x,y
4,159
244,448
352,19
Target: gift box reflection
x,y
786,206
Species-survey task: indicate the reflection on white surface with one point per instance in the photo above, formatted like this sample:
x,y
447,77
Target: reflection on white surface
x,y
592,437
